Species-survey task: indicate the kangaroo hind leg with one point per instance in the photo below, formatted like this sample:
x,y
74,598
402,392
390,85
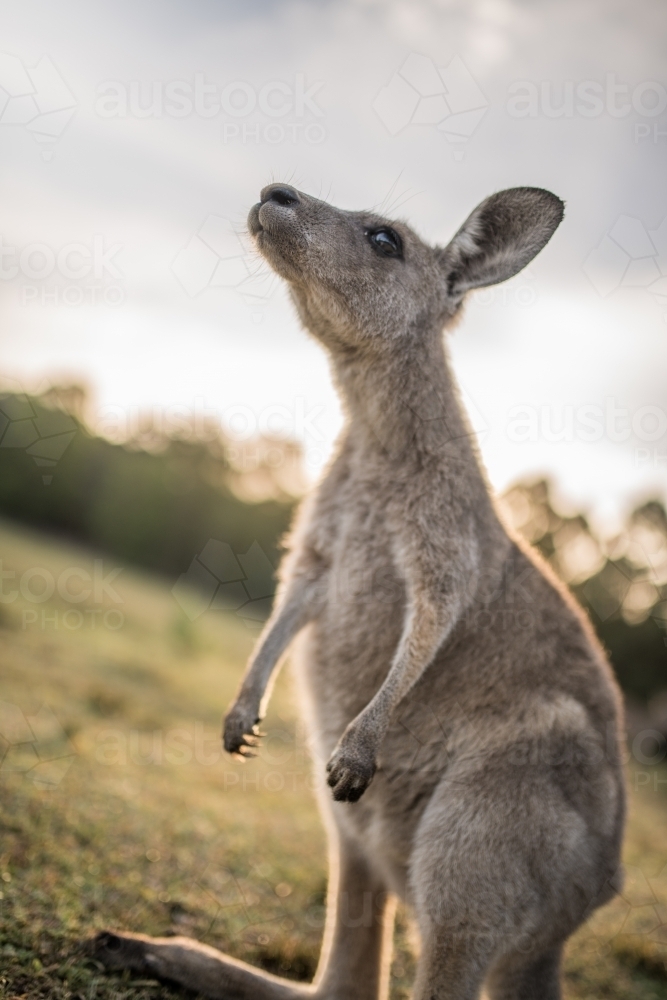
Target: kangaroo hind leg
x,y
534,977
358,936
193,965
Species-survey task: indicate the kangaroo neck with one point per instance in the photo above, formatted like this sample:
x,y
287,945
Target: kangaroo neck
x,y
403,402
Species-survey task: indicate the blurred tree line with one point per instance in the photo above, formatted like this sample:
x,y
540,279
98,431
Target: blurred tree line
x,y
153,500
156,499
621,582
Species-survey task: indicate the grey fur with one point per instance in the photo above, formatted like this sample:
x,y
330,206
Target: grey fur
x,y
448,678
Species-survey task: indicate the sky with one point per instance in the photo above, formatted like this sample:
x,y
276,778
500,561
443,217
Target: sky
x,y
134,137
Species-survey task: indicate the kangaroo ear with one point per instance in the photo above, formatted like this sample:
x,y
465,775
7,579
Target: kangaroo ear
x,y
500,237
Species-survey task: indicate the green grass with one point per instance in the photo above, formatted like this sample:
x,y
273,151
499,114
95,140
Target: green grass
x,y
119,809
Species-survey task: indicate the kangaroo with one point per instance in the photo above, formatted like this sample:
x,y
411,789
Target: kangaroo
x,y
471,723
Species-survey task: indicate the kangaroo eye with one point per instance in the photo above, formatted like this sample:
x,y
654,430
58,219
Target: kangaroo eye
x,y
386,242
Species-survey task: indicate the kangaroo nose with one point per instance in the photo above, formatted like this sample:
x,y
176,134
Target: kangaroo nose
x,y
281,194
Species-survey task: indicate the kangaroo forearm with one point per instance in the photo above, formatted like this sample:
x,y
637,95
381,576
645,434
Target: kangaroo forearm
x,y
298,607
412,659
426,628
290,620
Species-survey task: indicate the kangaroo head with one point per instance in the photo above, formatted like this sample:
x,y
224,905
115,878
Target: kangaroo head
x,y
359,280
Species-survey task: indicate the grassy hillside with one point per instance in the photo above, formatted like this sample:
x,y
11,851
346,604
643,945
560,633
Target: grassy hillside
x,y
119,809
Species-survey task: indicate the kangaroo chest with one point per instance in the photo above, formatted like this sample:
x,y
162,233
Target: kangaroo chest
x,y
354,639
